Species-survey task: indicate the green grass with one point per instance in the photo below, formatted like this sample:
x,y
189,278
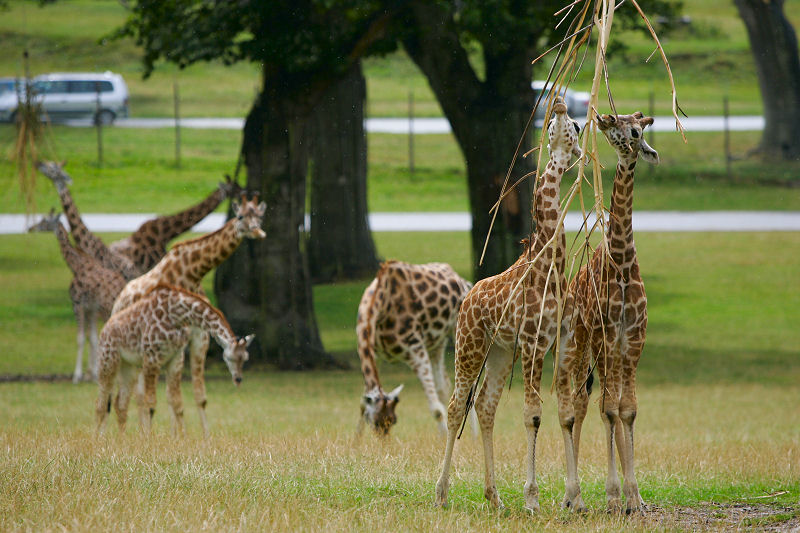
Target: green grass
x,y
139,172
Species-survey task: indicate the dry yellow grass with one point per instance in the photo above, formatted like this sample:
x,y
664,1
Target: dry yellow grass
x,y
283,456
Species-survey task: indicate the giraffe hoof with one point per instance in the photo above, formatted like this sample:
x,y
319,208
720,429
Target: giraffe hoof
x,y
614,505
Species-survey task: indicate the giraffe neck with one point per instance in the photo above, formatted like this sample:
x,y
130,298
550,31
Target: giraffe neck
x,y
90,243
192,260
151,239
620,225
188,309
368,337
73,258
546,206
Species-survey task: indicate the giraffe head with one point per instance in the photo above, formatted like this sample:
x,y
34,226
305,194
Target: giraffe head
x,y
55,172
377,408
47,223
235,355
230,188
248,215
625,133
563,131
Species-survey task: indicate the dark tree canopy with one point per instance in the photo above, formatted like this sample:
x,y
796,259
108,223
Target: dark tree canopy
x,y
489,105
303,47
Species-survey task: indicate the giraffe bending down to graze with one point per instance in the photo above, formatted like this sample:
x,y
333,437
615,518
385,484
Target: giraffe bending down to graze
x,y
184,266
407,313
148,244
92,290
84,239
516,310
150,334
605,315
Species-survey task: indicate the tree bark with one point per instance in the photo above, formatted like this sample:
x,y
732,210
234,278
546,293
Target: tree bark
x,y
264,287
774,45
488,119
340,244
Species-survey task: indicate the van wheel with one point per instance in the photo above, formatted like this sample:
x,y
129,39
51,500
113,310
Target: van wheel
x,y
104,117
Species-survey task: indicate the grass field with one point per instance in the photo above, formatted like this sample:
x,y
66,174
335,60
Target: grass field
x,y
718,430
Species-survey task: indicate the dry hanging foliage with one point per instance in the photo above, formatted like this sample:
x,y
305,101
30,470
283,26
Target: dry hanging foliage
x,y
586,18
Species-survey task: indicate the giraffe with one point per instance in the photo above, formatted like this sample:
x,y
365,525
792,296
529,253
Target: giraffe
x,y
516,309
92,290
407,313
605,316
185,265
84,239
148,244
150,334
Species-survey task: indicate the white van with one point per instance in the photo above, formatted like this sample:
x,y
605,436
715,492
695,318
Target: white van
x,y
74,95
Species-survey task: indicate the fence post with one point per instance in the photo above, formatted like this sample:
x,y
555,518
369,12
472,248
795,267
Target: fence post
x,y
98,124
176,100
411,132
727,137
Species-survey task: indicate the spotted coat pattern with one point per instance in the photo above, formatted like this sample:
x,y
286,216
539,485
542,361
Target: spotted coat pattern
x,y
148,244
407,313
185,265
605,316
151,334
514,314
92,291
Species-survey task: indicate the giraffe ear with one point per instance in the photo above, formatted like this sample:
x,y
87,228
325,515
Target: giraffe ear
x,y
235,207
395,393
261,209
247,340
647,153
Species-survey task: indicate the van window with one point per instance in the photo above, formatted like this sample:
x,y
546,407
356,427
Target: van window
x,y
90,86
49,87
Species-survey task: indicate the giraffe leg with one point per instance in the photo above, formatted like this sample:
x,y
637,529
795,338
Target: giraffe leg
x,y
127,377
107,371
93,343
421,364
198,346
569,361
443,383
77,375
498,367
609,413
465,376
174,398
532,416
150,376
627,414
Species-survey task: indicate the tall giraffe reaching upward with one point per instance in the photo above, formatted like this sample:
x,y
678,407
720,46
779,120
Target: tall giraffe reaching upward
x,y
148,244
605,316
516,310
184,266
92,290
84,239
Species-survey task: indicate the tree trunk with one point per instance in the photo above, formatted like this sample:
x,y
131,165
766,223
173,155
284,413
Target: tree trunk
x,y
340,245
488,118
774,45
264,287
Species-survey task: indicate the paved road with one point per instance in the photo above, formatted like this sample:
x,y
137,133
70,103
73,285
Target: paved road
x,y
657,221
431,125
